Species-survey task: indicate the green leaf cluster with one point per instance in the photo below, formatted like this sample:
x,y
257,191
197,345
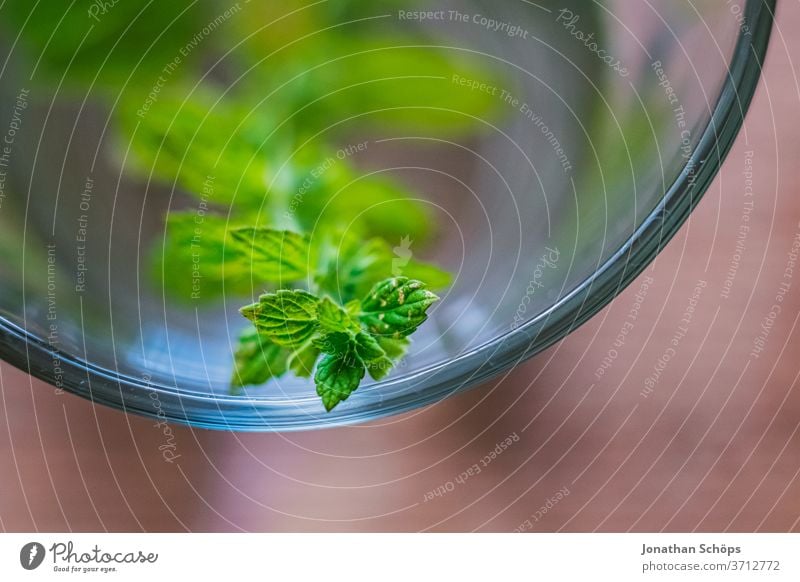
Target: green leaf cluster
x,y
294,327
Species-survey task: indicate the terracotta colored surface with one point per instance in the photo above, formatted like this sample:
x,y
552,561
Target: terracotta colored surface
x,y
713,446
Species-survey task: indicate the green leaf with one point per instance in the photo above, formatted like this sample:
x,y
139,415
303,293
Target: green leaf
x,y
257,359
275,256
288,318
337,377
396,307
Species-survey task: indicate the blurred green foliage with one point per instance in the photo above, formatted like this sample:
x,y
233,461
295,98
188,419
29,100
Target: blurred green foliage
x,y
263,138
103,43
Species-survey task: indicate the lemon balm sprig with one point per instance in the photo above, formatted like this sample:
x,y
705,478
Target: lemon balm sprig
x,y
314,333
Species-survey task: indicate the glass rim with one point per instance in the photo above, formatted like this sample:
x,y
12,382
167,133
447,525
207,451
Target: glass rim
x,y
32,354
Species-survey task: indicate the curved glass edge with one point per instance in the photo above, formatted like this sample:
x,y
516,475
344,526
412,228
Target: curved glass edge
x,y
131,395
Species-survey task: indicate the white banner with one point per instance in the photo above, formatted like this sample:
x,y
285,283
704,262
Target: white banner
x,y
416,557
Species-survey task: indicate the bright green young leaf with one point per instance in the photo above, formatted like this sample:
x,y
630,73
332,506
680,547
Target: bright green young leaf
x,y
288,318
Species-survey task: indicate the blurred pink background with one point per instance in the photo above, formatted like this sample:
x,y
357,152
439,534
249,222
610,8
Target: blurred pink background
x,y
714,446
